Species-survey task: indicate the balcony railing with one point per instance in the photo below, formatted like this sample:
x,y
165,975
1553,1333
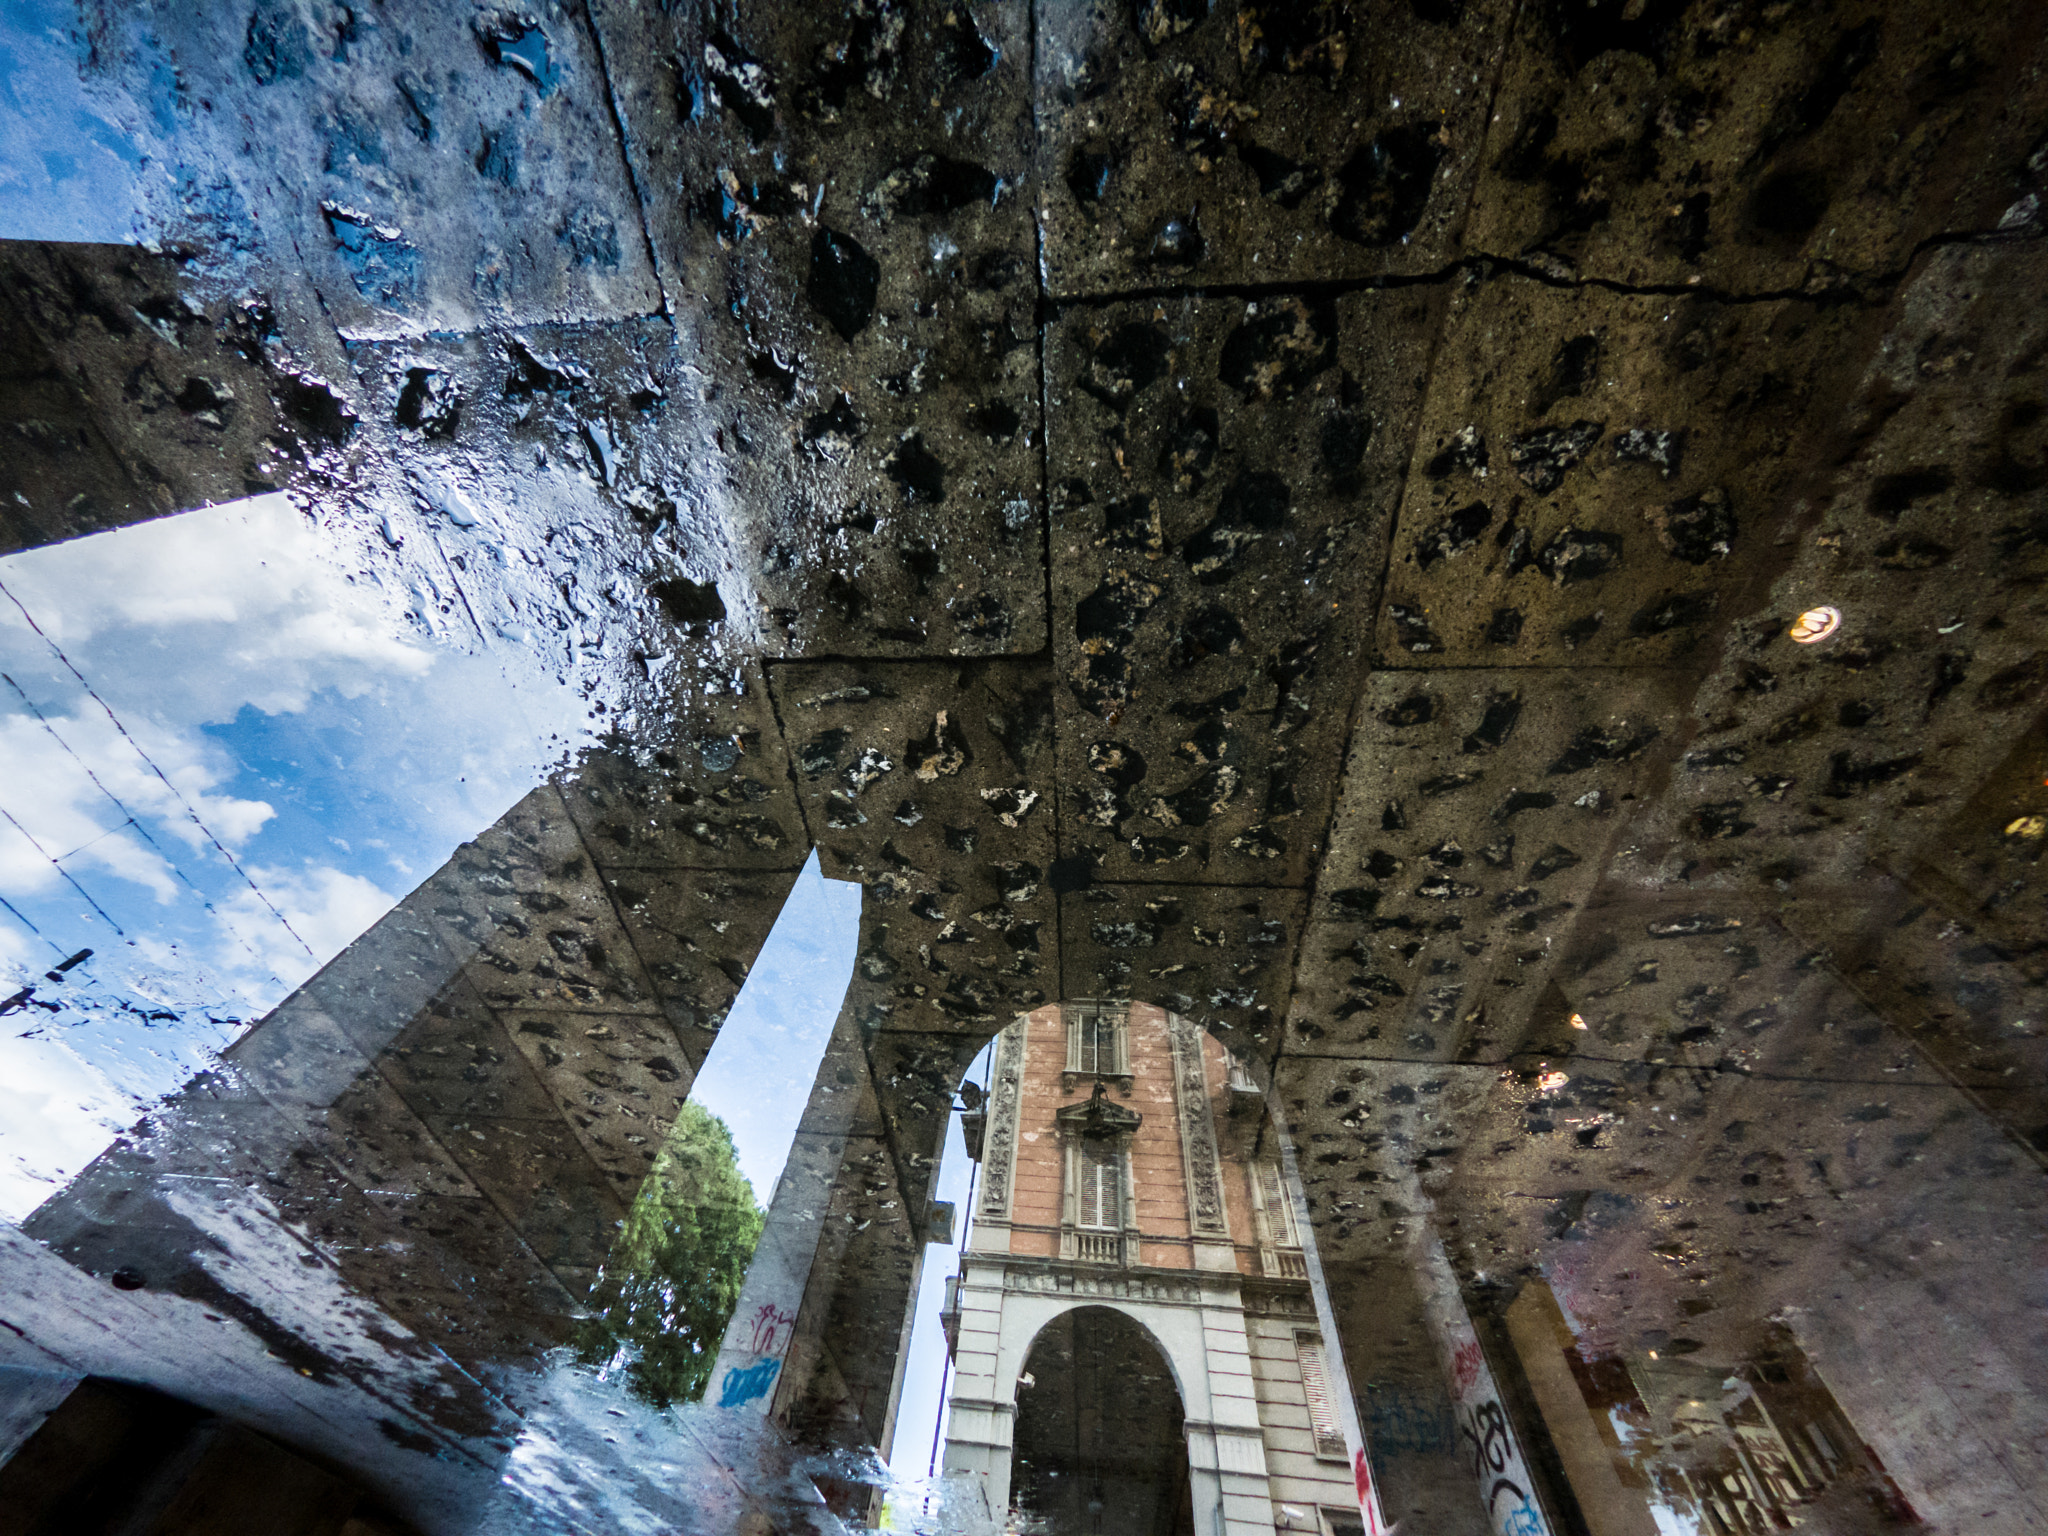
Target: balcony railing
x,y
1099,1247
1287,1264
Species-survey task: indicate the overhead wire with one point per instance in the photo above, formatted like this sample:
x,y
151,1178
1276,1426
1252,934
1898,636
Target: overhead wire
x,y
967,1222
31,927
97,837
71,878
133,820
219,847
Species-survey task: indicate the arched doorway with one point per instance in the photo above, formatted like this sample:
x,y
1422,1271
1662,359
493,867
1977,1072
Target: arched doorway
x,y
1101,1444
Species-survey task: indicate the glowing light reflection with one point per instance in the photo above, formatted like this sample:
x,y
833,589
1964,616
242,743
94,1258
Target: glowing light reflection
x,y
1815,625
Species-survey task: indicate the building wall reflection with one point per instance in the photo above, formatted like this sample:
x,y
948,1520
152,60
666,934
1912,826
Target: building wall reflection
x,y
1129,1164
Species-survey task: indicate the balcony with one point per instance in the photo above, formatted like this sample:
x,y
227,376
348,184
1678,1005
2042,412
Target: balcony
x,y
1099,1247
1286,1263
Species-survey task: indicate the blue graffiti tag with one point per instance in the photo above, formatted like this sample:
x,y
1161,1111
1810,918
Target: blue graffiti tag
x,y
744,1383
1522,1519
1403,1419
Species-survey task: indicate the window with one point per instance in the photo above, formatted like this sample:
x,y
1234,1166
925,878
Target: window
x,y
1315,1386
1095,1040
1099,1166
1097,1043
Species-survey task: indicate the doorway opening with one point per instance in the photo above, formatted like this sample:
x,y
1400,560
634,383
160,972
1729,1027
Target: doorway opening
x,y
1101,1439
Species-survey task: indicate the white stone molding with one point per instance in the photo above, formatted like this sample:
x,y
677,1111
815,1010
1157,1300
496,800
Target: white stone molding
x,y
999,1143
1207,1216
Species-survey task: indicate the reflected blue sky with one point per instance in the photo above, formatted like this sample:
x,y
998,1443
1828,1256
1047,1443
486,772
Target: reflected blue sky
x,y
69,165
224,753
917,1415
758,1073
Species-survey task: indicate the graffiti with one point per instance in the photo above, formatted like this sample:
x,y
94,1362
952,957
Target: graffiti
x,y
1497,1463
1368,1497
1483,1426
744,1383
1493,1447
771,1329
1465,1365
1404,1419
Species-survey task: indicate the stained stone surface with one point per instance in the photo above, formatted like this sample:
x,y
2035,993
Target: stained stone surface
x,y
923,781
1966,997
841,205
1589,499
427,169
1220,475
718,796
1184,144
1754,150
1223,952
1479,811
1807,756
63,477
190,387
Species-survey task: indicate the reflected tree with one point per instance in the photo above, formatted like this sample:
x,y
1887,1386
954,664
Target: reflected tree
x,y
662,1302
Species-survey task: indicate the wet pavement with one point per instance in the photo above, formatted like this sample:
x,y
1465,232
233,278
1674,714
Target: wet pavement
x,y
1304,516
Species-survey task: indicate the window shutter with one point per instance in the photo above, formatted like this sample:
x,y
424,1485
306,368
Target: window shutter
x,y
1279,1209
1101,1188
1076,1022
1315,1386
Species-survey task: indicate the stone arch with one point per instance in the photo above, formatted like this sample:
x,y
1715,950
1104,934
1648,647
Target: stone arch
x,y
1180,1347
1100,1435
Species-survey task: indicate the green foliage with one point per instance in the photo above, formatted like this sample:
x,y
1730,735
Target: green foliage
x,y
661,1305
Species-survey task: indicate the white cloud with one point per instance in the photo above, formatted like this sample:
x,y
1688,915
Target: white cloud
x,y
250,586
74,782
18,952
326,907
57,811
56,1113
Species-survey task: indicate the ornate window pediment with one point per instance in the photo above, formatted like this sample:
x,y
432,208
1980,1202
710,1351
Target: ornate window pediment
x,y
1097,1118
1099,1220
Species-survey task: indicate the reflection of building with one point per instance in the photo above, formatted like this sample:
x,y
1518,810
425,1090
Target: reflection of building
x,y
1134,1257
1667,1441
1758,1449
